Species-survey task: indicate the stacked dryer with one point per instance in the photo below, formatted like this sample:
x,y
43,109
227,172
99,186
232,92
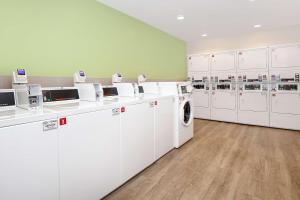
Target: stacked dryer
x,y
198,73
223,86
253,94
285,86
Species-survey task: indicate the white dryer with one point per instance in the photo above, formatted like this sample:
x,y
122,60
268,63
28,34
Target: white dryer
x,y
285,99
201,94
285,57
253,98
198,63
183,108
224,97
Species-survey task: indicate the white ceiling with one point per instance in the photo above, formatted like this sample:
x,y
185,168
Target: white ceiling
x,y
217,18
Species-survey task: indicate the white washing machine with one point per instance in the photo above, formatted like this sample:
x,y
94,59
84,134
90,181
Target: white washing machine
x,y
224,97
253,98
183,108
137,128
164,117
285,99
201,94
28,152
88,144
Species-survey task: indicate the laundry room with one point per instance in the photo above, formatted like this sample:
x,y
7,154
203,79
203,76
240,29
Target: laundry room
x,y
150,100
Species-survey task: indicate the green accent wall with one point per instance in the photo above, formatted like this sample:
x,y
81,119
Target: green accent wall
x,y
59,37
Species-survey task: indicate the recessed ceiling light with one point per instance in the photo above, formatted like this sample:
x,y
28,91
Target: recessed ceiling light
x,y
257,26
252,0
204,35
180,17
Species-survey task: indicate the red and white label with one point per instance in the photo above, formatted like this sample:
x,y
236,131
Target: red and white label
x,y
62,121
123,109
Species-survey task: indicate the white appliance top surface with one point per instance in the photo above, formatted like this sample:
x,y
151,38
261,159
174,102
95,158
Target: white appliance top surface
x,y
157,96
150,87
124,100
79,107
168,88
21,116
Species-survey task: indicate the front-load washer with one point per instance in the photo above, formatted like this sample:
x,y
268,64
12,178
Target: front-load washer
x,y
183,108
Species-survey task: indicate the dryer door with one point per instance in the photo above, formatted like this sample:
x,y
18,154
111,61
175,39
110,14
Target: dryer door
x,y
186,115
286,103
253,101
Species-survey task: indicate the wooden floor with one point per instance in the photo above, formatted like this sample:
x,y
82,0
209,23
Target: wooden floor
x,y
224,162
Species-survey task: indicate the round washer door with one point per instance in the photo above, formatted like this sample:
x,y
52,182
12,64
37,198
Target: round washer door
x,y
186,115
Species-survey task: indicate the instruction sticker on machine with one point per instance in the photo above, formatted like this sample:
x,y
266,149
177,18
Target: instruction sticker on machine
x,y
115,111
50,125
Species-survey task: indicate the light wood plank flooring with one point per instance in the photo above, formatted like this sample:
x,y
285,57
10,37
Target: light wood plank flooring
x,y
224,161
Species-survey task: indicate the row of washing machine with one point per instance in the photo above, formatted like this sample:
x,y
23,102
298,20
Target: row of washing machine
x,y
56,146
257,98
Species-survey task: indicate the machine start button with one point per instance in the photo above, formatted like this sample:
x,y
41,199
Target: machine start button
x,y
62,121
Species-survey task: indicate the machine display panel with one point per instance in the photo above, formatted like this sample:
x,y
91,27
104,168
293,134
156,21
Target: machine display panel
x,y
60,95
287,80
141,89
199,86
183,90
253,80
223,87
7,99
81,73
288,87
21,72
252,87
110,91
225,81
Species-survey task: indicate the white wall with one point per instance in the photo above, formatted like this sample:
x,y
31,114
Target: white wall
x,y
252,40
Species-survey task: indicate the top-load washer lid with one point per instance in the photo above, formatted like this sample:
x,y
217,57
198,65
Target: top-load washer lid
x,y
7,99
125,89
141,89
150,87
60,95
110,91
18,116
186,114
168,88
